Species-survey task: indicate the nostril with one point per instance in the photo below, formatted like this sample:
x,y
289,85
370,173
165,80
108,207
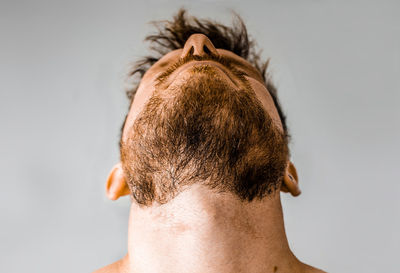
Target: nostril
x,y
198,44
206,50
191,51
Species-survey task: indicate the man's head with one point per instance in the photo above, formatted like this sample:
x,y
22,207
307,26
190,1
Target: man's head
x,y
205,112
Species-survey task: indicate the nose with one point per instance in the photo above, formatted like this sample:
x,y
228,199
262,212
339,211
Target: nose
x,y
198,44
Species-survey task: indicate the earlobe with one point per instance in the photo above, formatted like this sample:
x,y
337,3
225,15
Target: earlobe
x,y
116,185
291,181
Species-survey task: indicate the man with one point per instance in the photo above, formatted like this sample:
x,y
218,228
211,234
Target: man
x,y
204,156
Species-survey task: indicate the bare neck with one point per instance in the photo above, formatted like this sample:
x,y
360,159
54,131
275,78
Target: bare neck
x,y
205,232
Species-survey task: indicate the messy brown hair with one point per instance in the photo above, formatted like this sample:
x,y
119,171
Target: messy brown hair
x,y
203,131
173,34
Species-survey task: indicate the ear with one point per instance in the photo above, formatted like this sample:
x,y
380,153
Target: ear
x,y
290,180
116,186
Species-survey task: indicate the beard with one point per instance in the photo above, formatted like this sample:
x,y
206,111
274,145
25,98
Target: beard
x,y
203,131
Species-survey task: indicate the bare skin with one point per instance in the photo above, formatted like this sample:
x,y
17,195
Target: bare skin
x,y
199,230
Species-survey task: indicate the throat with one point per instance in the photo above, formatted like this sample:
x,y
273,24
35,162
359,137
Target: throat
x,y
200,231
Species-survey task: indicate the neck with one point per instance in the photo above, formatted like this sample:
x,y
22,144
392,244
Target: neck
x,y
200,231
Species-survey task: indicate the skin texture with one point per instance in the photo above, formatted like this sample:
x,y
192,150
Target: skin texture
x,y
200,230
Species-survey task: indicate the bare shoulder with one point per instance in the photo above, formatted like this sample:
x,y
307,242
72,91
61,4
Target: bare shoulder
x,y
311,269
111,268
116,267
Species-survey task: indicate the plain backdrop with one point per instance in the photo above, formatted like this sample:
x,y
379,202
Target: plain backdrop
x,y
63,65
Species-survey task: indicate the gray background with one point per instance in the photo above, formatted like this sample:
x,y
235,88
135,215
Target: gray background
x,y
62,67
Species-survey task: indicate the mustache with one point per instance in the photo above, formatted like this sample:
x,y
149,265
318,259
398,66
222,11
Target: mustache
x,y
227,62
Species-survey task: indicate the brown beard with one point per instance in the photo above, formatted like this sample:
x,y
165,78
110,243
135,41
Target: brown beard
x,y
203,131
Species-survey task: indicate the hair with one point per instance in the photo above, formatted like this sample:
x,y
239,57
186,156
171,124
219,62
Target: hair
x,y
202,131
173,34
